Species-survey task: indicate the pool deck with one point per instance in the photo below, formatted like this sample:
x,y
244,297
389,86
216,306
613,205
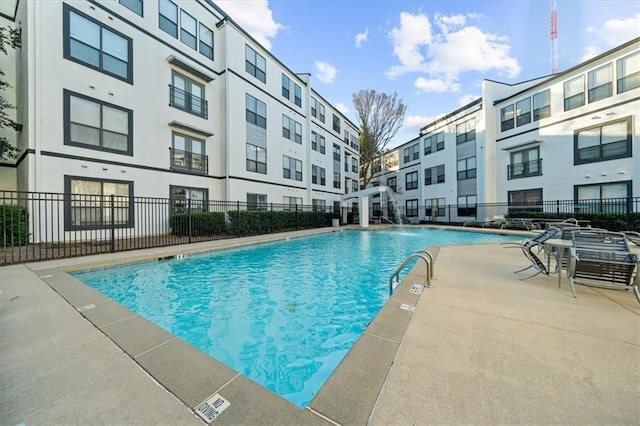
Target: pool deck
x,y
479,347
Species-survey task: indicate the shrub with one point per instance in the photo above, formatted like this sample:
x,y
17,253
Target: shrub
x,y
202,224
14,230
252,222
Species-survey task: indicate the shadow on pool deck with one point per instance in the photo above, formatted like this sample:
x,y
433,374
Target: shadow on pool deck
x,y
480,347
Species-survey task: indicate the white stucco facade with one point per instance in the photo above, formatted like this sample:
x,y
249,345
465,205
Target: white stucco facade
x,y
572,136
155,132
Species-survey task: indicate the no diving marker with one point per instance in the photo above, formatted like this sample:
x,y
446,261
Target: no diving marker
x,y
211,408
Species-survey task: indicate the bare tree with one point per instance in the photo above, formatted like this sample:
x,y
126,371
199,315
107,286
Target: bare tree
x,y
379,116
9,38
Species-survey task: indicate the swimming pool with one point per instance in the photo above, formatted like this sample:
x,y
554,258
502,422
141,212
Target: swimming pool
x,y
283,314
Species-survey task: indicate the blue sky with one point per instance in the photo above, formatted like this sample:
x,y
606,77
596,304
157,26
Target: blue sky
x,y
434,54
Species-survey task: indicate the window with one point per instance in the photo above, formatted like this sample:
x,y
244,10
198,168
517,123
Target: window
x,y
628,72
392,183
376,211
256,159
96,46
291,168
606,142
317,142
206,41
256,112
318,175
434,207
320,112
507,121
439,174
466,131
525,200
319,205
93,124
411,153
184,199
467,168
297,95
354,186
188,30
525,163
255,64
435,141
600,86
317,109
336,123
600,198
187,154
541,105
256,201
354,142
354,165
411,208
336,180
292,203
168,17
89,204
346,164
574,93
286,83
411,180
187,95
336,152
523,112
291,129
467,205
133,5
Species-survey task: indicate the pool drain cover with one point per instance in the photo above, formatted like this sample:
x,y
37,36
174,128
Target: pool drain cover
x,y
211,408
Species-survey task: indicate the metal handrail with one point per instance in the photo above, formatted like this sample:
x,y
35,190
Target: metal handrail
x,y
420,254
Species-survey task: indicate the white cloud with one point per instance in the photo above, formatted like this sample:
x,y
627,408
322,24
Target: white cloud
x,y
342,108
437,85
255,17
467,99
612,33
413,123
362,37
447,49
408,39
326,72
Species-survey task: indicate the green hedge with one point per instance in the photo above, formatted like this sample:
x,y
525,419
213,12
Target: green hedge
x,y
202,224
610,221
14,230
252,222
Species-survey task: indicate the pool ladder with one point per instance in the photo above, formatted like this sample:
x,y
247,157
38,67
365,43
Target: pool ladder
x,y
420,254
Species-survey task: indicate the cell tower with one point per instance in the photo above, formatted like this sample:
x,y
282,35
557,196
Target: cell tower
x,y
554,37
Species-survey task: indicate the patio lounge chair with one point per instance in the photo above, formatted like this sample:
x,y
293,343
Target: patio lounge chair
x,y
633,237
531,246
602,259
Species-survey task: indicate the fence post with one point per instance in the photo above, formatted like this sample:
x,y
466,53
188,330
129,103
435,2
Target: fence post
x,y
271,218
113,223
238,216
296,216
189,217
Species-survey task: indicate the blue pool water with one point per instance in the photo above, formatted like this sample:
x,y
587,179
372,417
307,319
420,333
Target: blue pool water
x,y
283,314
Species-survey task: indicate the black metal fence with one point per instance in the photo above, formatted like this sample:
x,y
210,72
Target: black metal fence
x,y
41,226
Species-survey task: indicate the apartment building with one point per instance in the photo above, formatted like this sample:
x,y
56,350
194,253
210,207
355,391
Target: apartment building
x,y
168,99
570,136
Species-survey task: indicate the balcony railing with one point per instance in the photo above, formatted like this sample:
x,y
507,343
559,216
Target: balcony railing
x,y
525,169
188,102
190,162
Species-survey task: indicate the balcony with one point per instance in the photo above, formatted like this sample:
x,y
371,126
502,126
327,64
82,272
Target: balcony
x,y
188,102
189,162
523,170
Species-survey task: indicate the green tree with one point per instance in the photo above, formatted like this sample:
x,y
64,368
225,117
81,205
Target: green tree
x,y
380,115
9,39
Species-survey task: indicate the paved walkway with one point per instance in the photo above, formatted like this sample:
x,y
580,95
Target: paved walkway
x,y
481,347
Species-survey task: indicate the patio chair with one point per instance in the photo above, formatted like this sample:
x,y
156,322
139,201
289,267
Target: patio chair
x,y
633,237
602,259
529,249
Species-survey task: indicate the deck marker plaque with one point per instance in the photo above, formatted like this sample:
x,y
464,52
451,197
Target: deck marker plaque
x,y
212,407
416,289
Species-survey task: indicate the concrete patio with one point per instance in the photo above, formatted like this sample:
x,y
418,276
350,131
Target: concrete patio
x,y
480,347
